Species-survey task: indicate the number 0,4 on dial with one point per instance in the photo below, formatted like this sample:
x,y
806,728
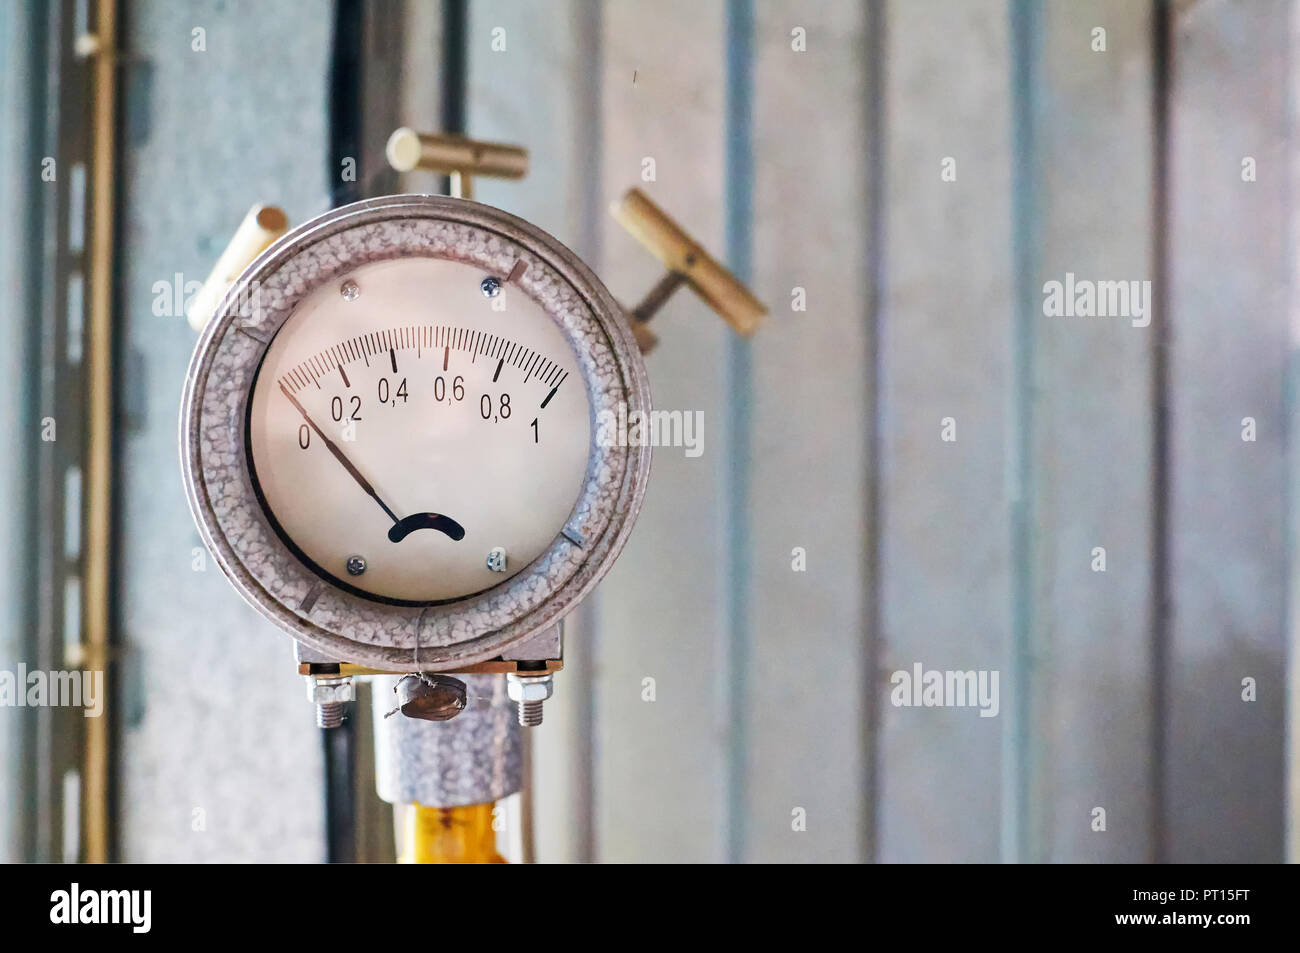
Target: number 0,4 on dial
x,y
418,431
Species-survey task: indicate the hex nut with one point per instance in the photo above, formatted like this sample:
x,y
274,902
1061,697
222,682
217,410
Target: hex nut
x,y
529,688
326,691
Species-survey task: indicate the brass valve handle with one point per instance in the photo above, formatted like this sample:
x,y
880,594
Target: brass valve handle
x,y
687,263
455,156
261,226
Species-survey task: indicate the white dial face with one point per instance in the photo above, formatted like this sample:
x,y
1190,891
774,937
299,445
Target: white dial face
x,y
418,435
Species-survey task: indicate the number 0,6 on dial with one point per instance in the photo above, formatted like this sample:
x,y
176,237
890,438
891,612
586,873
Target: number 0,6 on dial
x,y
418,434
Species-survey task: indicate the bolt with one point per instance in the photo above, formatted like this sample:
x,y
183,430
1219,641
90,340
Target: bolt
x,y
490,286
330,715
528,692
496,559
349,290
530,714
330,695
356,565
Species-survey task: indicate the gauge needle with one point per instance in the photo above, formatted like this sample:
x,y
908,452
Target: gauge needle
x,y
401,527
338,455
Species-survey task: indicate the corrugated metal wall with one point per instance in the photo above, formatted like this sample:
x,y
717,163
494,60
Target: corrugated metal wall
x,y
898,180
1072,434
220,754
15,271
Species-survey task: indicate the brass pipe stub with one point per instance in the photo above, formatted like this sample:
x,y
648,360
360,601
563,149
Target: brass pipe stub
x,y
455,156
260,228
687,263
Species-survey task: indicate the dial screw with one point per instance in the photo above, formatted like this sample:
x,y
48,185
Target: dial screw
x,y
528,692
496,559
350,290
490,286
356,565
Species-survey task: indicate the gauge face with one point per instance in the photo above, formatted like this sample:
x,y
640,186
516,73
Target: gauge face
x,y
418,430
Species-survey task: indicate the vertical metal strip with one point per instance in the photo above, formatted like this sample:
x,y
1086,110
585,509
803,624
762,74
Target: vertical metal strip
x,y
875,152
30,774
739,240
15,101
98,481
1026,40
1161,67
62,136
1291,819
589,133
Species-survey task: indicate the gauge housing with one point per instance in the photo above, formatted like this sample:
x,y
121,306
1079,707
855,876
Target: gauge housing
x,y
344,626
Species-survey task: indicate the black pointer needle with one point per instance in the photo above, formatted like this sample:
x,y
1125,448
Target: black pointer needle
x,y
338,455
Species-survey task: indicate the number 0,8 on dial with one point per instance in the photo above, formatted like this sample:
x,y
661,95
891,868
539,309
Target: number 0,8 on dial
x,y
418,431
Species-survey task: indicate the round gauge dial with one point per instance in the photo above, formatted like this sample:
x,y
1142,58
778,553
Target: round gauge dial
x,y
392,434
418,430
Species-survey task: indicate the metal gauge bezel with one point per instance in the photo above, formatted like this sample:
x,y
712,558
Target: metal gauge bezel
x,y
223,498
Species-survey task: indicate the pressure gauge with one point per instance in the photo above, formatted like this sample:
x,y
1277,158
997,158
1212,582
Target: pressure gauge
x,y
390,433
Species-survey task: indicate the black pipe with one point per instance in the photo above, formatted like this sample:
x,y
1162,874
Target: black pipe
x,y
455,65
455,70
338,745
345,102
